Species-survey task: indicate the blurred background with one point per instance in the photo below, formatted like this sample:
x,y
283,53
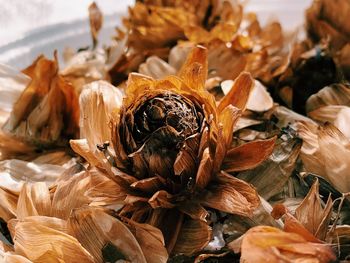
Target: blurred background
x,y
29,28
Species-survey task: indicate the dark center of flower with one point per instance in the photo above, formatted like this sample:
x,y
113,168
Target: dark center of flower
x,y
160,127
171,111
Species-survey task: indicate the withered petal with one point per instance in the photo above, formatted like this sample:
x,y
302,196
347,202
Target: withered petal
x,y
249,155
193,237
161,199
269,244
239,93
40,244
204,173
94,229
195,69
230,195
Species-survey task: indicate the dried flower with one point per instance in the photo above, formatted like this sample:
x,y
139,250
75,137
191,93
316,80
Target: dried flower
x,y
173,151
46,113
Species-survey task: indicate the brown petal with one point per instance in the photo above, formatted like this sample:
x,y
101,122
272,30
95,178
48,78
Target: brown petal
x,y
148,185
69,195
105,191
249,155
239,93
228,117
311,214
96,20
204,172
161,199
151,241
269,244
194,210
95,229
8,204
231,195
193,237
39,244
195,69
34,200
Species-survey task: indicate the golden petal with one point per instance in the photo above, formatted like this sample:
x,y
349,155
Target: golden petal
x,y
194,71
249,155
231,195
48,107
239,92
193,237
269,244
69,195
228,117
39,243
204,173
34,200
95,229
8,204
104,191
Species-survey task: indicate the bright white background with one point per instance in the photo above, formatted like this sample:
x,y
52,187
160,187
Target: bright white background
x,y
31,27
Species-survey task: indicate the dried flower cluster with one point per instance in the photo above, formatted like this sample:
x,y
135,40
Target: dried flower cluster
x,y
197,136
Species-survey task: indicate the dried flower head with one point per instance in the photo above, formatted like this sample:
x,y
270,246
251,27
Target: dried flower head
x,y
173,152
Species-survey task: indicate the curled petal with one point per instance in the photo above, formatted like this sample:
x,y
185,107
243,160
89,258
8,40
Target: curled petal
x,y
161,199
239,92
195,69
249,155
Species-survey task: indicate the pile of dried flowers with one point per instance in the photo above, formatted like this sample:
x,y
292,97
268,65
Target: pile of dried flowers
x,y
197,136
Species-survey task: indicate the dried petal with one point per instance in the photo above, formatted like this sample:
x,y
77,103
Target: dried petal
x,y
264,243
231,195
249,155
239,92
96,20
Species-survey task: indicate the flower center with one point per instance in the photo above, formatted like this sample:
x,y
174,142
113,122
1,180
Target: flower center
x,y
170,111
159,128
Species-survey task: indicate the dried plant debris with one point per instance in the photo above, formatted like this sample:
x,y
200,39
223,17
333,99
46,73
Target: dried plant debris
x,y
198,135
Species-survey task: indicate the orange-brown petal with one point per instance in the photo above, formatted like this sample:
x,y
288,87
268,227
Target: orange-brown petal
x,y
194,71
239,93
249,155
193,237
231,195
